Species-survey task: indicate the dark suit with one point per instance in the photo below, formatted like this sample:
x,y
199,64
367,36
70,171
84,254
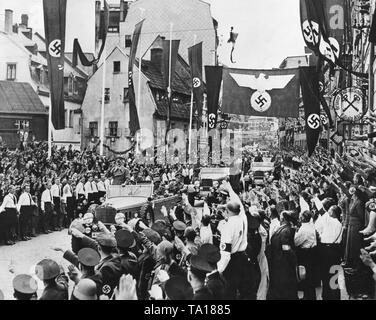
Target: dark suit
x,y
58,291
110,271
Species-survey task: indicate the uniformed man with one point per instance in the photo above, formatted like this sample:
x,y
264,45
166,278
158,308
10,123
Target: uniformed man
x,y
69,199
234,263
26,207
125,242
47,208
25,287
55,281
197,272
90,191
57,192
95,190
178,288
102,188
9,216
80,190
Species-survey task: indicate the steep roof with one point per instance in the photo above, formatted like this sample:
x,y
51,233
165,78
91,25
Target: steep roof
x,y
19,97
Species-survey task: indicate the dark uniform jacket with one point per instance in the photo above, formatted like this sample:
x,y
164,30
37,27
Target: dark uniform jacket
x,y
203,294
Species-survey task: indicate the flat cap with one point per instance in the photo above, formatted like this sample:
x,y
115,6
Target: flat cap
x,y
179,225
106,240
124,239
88,257
25,283
152,235
210,253
200,264
178,288
47,269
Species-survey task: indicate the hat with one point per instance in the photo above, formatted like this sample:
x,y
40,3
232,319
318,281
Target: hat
x,y
179,225
201,264
233,207
210,253
25,283
88,257
86,289
223,191
124,239
106,240
178,288
47,269
152,235
165,248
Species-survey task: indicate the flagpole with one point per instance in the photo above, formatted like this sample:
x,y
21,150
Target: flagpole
x,y
102,105
49,132
139,74
191,114
169,80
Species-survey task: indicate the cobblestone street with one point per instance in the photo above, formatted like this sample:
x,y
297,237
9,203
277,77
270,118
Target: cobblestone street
x,y
24,256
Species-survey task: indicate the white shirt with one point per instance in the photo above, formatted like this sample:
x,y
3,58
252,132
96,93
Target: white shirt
x,y
25,200
274,226
164,178
10,201
56,191
67,192
206,235
80,189
101,186
329,229
185,172
46,197
305,238
107,183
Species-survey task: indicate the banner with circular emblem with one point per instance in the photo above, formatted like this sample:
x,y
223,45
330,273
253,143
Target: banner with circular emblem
x,y
349,104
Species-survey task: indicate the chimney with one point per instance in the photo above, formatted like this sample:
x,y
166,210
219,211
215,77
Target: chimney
x,y
8,27
25,20
156,53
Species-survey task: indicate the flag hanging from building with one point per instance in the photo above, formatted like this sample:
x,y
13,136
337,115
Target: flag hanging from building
x,y
372,33
310,91
134,122
232,40
264,93
54,29
195,62
213,88
166,69
77,50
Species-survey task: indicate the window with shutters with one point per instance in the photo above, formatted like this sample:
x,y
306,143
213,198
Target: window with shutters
x,y
113,126
11,71
93,129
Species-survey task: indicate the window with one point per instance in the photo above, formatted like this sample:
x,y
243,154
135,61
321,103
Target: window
x,y
71,118
116,66
23,125
93,129
126,95
107,97
11,71
113,128
128,41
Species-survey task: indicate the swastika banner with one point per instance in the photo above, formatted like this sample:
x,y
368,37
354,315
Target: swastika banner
x,y
264,93
54,29
310,91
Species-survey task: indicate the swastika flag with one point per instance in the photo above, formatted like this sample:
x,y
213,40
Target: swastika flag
x,y
310,92
54,29
264,93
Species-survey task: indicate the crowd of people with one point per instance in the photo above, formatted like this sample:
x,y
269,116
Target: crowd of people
x,y
309,223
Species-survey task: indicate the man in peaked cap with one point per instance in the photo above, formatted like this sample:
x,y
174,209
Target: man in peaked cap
x,y
125,241
55,281
197,272
25,287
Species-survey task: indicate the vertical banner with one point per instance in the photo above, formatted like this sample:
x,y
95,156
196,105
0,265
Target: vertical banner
x,y
166,68
310,91
195,63
213,87
54,29
134,122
